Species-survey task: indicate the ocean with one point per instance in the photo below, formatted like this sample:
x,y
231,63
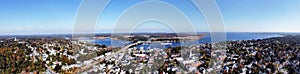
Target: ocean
x,y
230,36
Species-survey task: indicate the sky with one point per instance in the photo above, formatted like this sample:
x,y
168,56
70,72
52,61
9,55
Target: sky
x,y
58,16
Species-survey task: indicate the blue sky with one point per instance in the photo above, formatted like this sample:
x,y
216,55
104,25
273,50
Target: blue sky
x,y
58,16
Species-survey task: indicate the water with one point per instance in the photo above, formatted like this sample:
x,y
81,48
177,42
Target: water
x,y
111,42
231,36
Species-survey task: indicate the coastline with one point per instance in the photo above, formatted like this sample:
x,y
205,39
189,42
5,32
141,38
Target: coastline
x,y
202,40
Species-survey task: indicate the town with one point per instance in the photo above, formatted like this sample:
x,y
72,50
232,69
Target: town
x,y
58,54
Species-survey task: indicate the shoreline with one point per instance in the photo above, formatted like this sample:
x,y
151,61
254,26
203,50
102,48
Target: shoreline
x,y
202,40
